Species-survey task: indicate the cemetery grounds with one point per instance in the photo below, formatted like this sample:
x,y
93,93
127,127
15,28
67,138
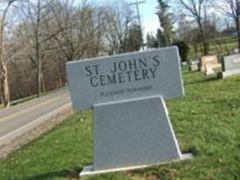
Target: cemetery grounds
x,y
206,122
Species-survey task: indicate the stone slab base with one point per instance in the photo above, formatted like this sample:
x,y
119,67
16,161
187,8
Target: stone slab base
x,y
89,170
227,74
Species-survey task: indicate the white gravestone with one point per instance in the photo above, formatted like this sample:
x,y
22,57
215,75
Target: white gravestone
x,y
194,66
131,123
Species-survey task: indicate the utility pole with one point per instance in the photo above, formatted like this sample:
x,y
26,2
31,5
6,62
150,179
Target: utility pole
x,y
137,4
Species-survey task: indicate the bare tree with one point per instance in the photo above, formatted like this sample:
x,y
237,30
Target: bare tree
x,y
75,32
118,18
51,32
80,29
4,87
195,8
37,14
230,9
37,46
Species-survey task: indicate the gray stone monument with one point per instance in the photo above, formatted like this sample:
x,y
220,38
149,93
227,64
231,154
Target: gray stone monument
x,y
231,66
126,92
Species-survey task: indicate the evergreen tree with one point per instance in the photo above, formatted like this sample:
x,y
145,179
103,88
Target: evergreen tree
x,y
134,38
165,34
152,41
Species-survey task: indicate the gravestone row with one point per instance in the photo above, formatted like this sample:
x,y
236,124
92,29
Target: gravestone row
x,y
209,65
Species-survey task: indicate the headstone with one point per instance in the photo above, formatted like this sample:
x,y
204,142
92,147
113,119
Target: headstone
x,y
236,51
231,65
194,65
212,68
131,123
208,59
184,63
231,62
209,64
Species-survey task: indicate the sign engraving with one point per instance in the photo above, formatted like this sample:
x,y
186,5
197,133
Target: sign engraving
x,y
123,71
125,76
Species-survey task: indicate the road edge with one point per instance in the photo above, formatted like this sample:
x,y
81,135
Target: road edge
x,y
33,130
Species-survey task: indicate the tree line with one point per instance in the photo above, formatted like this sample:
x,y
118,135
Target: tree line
x,y
46,34
196,21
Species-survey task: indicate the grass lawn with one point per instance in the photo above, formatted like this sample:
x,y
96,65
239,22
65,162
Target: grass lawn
x,y
206,122
220,46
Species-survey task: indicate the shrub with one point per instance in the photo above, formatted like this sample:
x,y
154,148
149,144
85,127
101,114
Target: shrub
x,y
183,49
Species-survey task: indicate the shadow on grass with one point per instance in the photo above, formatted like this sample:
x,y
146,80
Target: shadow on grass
x,y
209,79
65,173
187,70
191,150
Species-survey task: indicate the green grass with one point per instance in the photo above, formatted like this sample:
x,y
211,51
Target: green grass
x,y
220,46
227,39
206,122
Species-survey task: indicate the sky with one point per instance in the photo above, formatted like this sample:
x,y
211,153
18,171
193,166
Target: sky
x,y
150,22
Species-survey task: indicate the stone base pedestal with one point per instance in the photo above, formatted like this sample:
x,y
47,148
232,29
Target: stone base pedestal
x,y
89,170
229,73
132,134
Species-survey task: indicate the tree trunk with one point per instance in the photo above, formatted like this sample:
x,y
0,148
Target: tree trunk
x,y
5,87
1,97
60,74
39,76
37,49
203,38
238,31
43,83
5,94
39,69
195,50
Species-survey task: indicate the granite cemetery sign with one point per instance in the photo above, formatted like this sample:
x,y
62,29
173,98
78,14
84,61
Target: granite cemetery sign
x,y
131,123
125,76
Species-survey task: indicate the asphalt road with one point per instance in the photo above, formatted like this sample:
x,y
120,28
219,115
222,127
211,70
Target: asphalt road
x,y
20,115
